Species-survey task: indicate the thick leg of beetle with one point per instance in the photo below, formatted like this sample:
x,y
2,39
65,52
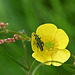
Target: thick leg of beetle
x,y
42,43
37,45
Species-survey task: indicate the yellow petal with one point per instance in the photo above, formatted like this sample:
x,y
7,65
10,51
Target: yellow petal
x,y
62,39
42,56
34,47
46,30
61,55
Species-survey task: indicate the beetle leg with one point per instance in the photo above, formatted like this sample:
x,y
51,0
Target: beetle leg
x,y
37,45
42,43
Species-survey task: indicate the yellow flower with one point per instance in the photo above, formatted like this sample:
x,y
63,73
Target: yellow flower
x,y
54,43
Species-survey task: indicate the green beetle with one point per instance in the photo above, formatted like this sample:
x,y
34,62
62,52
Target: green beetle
x,y
39,44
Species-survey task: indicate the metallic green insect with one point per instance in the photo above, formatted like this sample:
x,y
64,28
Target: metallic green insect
x,y
39,44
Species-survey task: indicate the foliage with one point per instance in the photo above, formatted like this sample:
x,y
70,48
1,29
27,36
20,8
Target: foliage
x,y
27,15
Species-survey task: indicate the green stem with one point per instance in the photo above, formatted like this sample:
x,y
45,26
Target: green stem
x,y
15,60
34,71
24,37
67,68
31,67
14,32
24,45
19,63
37,67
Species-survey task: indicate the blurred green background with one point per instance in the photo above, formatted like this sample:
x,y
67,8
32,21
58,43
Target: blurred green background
x,y
27,15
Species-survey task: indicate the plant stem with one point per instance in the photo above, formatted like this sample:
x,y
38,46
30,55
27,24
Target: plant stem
x,y
24,37
14,32
15,60
31,67
67,68
26,54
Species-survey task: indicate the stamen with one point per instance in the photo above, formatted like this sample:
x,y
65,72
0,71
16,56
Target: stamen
x,y
48,45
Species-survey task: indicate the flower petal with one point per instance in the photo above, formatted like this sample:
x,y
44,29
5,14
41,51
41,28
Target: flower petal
x,y
61,55
46,30
42,56
62,39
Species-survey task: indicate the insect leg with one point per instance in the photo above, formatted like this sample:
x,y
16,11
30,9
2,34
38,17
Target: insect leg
x,y
37,45
42,43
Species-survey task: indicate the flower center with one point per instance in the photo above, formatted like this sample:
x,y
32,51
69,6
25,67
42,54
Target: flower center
x,y
48,45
